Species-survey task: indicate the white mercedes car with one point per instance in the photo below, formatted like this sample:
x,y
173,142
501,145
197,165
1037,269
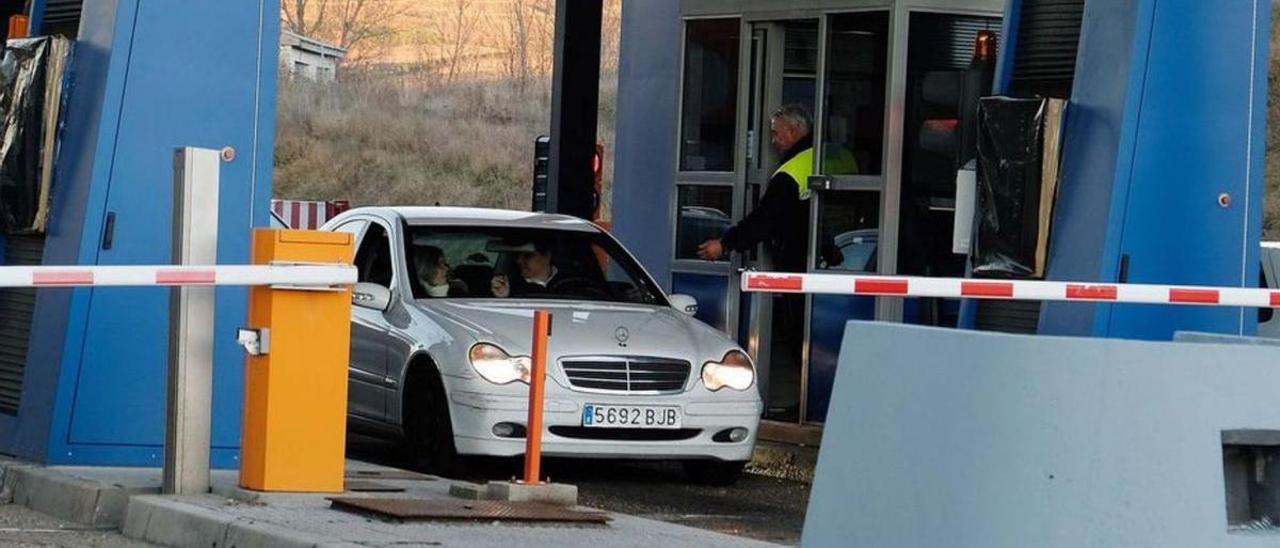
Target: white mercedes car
x,y
441,334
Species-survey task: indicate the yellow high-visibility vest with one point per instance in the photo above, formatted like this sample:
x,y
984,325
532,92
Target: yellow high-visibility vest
x,y
799,168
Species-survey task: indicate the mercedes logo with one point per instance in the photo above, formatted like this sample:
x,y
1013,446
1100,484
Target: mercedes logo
x,y
622,335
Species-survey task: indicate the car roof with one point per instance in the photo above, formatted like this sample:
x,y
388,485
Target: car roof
x,y
475,216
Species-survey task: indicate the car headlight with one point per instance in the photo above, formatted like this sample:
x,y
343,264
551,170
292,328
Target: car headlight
x,y
498,367
734,371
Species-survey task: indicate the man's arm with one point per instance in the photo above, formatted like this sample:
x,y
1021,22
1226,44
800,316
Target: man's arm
x,y
768,218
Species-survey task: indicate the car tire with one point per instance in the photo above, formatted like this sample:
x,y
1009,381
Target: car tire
x,y
428,428
717,473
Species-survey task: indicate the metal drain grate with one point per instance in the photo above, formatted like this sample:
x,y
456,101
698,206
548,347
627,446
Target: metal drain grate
x,y
388,475
466,510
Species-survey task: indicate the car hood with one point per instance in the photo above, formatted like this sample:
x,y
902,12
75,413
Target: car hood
x,y
580,328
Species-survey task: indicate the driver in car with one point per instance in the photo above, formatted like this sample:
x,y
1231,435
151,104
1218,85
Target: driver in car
x,y
539,277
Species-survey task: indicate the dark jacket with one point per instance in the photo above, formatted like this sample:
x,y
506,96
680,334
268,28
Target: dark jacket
x,y
781,221
562,284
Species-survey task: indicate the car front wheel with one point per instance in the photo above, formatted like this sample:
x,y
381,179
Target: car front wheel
x,y
428,430
716,473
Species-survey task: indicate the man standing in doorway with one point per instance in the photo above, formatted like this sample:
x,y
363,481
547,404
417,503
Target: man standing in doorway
x,y
781,222
782,219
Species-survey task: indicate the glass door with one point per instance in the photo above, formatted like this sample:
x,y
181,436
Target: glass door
x,y
783,73
848,195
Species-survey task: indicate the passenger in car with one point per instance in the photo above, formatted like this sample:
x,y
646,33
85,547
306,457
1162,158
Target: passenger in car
x,y
540,277
433,274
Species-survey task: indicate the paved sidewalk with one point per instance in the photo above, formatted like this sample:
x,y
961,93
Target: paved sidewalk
x,y
234,517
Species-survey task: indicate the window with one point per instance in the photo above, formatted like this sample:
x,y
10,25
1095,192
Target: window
x,y
354,228
853,134
945,77
848,231
373,257
704,214
531,264
708,123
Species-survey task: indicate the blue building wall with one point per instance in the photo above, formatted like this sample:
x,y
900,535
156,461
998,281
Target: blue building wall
x,y
149,77
648,86
1167,114
1168,111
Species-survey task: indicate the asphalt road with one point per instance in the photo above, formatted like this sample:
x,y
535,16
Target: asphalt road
x,y
23,528
756,507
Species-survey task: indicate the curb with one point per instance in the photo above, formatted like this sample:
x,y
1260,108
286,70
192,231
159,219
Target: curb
x,y
169,522
65,496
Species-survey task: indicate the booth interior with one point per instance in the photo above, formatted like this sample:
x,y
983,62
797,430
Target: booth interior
x,y
891,87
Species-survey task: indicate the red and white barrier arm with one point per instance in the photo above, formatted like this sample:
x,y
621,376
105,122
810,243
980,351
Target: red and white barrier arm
x,y
959,288
302,276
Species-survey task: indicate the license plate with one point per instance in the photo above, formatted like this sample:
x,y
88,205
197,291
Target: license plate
x,y
630,416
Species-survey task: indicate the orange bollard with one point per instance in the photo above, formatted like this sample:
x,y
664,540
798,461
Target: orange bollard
x,y
295,396
537,387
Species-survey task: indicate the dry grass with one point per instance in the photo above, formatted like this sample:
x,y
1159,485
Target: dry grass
x,y
1271,221
384,141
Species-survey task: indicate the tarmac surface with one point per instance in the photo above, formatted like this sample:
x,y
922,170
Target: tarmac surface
x,y
757,507
24,528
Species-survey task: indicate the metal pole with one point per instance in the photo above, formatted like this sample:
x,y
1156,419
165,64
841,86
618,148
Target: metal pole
x,y
575,104
190,375
537,387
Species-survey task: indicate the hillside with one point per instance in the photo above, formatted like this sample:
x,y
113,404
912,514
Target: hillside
x,y
419,134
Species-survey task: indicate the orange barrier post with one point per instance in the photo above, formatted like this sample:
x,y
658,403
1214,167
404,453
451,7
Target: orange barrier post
x,y
295,393
537,386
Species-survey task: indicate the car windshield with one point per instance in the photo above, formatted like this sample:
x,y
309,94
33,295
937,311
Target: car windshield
x,y
521,263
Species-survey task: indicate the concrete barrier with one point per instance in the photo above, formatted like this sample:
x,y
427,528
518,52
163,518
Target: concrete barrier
x,y
967,439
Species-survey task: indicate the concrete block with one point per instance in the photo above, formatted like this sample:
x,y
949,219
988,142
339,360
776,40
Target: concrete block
x,y
1010,441
170,522
554,493
469,491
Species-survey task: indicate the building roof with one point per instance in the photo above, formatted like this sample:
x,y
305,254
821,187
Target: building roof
x,y
310,45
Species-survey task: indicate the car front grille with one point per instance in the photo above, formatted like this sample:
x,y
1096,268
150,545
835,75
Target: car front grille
x,y
627,374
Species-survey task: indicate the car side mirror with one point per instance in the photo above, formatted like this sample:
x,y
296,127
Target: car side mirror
x,y
371,296
684,303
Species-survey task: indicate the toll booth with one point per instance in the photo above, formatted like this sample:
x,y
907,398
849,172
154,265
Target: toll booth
x,y
82,371
884,80
1160,178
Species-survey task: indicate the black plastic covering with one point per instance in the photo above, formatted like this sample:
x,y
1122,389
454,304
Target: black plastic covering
x,y
22,98
1010,156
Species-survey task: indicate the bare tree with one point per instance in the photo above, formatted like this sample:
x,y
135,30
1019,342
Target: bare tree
x,y
353,25
610,35
456,33
359,21
509,34
300,17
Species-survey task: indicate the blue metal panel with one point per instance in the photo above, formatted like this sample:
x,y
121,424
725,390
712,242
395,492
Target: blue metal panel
x,y
1195,142
830,315
710,290
87,141
119,398
1009,40
1100,137
35,11
648,76
156,78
